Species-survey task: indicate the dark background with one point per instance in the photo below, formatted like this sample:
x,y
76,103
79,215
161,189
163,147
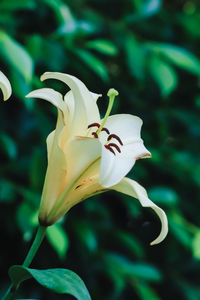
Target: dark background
x,y
148,50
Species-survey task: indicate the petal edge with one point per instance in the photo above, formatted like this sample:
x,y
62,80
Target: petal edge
x,y
132,188
5,86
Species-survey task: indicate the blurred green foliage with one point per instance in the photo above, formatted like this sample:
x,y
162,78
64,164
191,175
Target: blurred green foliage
x,y
149,51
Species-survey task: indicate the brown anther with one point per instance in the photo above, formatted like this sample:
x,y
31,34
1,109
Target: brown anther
x,y
94,125
110,149
116,147
106,130
114,136
95,135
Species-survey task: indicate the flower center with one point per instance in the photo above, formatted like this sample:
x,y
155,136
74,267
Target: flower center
x,y
100,127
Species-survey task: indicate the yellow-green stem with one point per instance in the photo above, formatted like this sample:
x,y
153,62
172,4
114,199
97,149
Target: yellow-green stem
x,y
112,93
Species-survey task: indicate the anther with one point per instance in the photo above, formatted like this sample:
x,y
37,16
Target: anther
x,y
114,145
94,125
110,149
95,135
106,130
114,136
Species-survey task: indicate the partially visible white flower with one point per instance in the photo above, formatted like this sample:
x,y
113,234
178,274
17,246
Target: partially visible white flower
x,y
5,86
87,155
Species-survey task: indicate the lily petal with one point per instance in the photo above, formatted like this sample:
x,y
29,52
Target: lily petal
x,y
49,141
49,95
70,102
55,180
115,167
90,186
82,164
5,86
132,188
85,108
126,126
83,152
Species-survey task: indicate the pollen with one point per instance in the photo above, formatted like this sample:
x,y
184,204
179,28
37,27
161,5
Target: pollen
x,y
114,136
94,125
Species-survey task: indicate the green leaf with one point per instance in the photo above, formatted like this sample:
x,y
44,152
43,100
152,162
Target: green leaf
x,y
135,57
163,195
196,245
62,11
58,239
8,146
127,268
17,5
145,291
151,7
61,281
7,191
21,88
164,75
179,229
131,243
24,216
16,55
178,56
103,46
86,234
147,8
93,63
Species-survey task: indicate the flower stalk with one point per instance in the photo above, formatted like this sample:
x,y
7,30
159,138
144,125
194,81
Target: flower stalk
x,y
31,254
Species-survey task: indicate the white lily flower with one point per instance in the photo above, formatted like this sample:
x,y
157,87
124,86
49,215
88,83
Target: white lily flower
x,y
87,155
5,86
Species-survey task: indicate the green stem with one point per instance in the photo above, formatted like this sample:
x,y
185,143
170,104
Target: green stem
x,y
31,254
35,246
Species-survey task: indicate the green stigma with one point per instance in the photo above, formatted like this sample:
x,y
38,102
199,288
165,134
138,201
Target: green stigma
x,y
112,93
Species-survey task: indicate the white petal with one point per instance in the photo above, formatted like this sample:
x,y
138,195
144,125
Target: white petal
x,y
95,96
49,142
132,188
113,167
84,160
70,102
126,126
135,149
83,152
5,86
85,108
55,178
49,95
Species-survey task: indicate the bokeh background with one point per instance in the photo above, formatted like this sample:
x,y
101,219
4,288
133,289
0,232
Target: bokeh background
x,y
149,50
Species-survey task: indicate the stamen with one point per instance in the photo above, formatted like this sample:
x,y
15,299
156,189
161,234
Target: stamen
x,y
94,125
114,136
110,149
114,145
95,135
112,93
106,130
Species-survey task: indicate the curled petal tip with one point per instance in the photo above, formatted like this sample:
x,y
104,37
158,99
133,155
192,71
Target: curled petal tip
x,y
5,86
43,75
132,188
145,155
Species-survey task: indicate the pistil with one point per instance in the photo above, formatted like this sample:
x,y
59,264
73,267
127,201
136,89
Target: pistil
x,y
112,93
